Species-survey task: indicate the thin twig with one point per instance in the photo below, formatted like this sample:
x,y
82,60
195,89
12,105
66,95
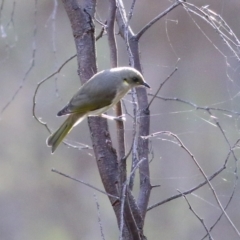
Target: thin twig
x,y
39,120
53,19
210,17
130,14
206,178
12,15
32,62
161,85
212,227
126,31
196,215
99,216
123,197
86,184
196,187
38,86
101,33
148,25
134,138
194,105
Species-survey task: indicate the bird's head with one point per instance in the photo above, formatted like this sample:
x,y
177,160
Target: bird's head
x,y
133,77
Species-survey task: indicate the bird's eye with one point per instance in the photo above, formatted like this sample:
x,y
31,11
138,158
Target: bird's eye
x,y
135,79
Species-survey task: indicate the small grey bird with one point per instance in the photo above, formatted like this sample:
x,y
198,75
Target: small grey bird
x,y
96,96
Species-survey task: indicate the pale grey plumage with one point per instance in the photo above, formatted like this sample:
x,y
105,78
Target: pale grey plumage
x,y
95,97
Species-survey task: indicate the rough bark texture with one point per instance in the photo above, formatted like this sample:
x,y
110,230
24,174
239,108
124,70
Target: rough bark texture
x,y
144,114
106,156
130,215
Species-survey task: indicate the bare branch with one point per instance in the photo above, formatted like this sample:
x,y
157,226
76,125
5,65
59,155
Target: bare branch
x,y
217,23
124,197
11,21
161,85
39,120
39,85
135,138
198,186
230,199
130,14
99,217
110,32
145,28
86,184
132,46
196,215
195,106
32,63
101,33
118,109
206,178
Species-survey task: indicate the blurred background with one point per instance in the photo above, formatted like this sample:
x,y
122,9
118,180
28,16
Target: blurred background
x,y
36,203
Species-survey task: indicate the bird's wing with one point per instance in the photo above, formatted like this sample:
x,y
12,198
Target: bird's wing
x,y
89,98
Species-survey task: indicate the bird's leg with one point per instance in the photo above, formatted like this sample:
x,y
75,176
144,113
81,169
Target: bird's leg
x,y
119,118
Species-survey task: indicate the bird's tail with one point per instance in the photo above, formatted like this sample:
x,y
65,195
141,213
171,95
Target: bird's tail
x,y
56,138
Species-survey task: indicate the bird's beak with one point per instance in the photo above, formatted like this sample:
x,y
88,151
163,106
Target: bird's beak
x,y
145,84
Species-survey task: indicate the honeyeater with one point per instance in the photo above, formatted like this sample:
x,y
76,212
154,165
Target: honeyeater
x,y
102,91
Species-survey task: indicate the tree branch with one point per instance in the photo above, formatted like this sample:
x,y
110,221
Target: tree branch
x,y
144,119
114,62
145,28
106,157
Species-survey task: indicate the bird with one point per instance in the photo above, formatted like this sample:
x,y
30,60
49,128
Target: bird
x,y
101,92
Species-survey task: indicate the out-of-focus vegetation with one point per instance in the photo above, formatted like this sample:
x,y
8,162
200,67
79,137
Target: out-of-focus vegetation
x,y
38,204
